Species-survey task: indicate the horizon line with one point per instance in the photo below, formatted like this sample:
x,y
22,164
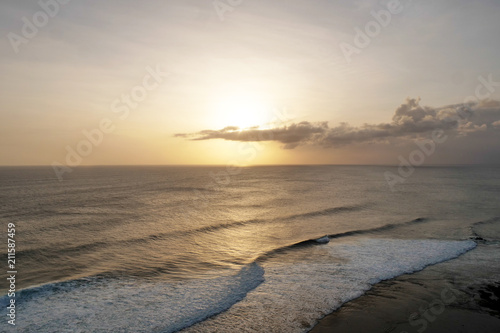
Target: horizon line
x,y
248,166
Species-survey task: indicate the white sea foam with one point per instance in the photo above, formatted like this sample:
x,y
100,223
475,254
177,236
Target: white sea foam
x,y
287,297
110,305
323,240
294,297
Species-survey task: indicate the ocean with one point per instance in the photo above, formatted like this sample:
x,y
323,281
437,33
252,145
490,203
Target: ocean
x,y
214,249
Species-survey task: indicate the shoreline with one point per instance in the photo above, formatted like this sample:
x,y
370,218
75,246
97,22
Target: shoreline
x,y
459,295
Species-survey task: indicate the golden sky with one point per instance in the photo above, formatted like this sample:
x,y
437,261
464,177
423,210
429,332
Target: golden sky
x,y
157,82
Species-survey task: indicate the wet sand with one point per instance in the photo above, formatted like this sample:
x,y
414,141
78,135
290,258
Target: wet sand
x,y
461,295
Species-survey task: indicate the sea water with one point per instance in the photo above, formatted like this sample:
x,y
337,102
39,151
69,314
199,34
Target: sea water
x,y
161,249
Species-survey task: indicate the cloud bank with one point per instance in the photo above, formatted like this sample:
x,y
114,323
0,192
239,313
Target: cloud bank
x,y
410,121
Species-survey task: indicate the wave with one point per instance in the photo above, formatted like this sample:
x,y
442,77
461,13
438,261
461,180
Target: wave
x,y
262,297
478,235
295,296
51,251
325,212
323,239
114,305
492,220
386,227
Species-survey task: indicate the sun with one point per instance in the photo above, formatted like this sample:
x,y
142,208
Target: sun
x,y
243,109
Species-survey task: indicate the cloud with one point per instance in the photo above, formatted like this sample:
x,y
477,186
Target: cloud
x,y
410,121
292,135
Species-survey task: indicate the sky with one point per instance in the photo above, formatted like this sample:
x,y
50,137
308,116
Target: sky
x,y
249,82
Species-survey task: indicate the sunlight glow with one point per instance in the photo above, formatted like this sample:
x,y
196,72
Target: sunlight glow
x,y
243,110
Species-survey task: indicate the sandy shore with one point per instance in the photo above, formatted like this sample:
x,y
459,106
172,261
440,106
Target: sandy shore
x,y
461,295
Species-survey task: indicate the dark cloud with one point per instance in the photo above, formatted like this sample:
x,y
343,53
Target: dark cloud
x,y
410,120
292,135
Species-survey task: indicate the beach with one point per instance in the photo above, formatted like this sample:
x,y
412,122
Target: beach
x,y
447,297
